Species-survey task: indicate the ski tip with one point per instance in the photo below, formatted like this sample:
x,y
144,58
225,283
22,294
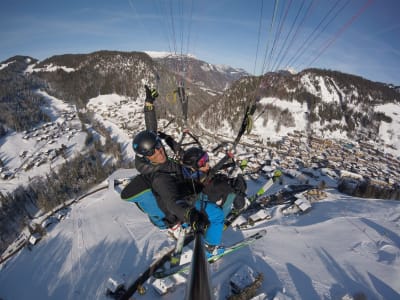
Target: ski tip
x,y
262,232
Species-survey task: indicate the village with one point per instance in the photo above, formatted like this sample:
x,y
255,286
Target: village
x,y
298,150
360,159
44,144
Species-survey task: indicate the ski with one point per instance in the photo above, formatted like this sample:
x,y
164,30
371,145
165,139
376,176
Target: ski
x,y
176,256
231,218
252,220
228,250
137,286
123,293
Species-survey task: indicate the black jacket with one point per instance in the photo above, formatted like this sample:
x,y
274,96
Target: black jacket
x,y
174,194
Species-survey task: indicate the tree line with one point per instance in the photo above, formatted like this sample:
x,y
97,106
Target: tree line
x,y
20,106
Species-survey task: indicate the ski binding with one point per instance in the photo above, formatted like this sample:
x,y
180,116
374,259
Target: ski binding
x,y
165,285
242,222
115,287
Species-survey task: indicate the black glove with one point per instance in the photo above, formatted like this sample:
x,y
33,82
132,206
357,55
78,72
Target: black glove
x,y
151,94
162,135
167,138
239,201
239,184
197,219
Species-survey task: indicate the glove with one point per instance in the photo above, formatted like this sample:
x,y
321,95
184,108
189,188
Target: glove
x,y
162,135
151,94
167,138
239,184
239,202
197,219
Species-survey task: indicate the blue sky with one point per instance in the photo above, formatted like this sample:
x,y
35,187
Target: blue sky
x,y
360,37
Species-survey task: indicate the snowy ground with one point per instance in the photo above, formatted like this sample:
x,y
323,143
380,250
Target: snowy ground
x,y
343,245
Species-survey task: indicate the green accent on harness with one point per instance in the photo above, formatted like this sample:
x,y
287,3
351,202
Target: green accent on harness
x,y
243,164
131,199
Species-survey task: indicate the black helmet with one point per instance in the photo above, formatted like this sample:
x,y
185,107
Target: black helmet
x,y
195,158
145,143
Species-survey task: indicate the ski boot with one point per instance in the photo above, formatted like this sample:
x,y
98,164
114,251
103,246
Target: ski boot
x,y
213,250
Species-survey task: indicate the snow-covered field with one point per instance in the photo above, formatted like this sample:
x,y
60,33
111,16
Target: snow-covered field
x,y
344,245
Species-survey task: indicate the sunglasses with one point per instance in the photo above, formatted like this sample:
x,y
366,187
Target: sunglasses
x,y
202,160
151,151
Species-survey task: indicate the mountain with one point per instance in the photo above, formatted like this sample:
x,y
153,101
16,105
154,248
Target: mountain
x,y
318,102
212,78
323,103
81,77
19,105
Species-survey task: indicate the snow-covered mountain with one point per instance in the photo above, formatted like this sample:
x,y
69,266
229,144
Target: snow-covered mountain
x,y
342,246
212,78
319,103
82,77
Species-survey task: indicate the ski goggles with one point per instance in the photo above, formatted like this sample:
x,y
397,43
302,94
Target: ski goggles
x,y
202,161
150,152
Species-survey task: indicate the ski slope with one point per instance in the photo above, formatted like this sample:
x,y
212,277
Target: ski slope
x,y
344,245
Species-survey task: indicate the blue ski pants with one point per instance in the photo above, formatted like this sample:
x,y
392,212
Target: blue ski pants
x,y
216,216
